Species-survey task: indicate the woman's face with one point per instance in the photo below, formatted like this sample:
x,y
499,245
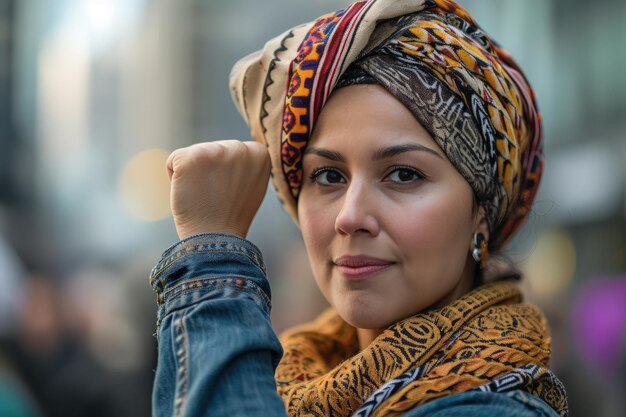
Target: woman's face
x,y
387,220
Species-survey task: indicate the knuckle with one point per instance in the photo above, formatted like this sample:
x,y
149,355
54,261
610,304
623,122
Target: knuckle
x,y
176,153
197,155
216,150
228,149
175,158
239,148
256,146
258,151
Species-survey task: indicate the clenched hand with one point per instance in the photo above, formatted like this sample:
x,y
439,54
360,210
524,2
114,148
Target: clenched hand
x,y
217,186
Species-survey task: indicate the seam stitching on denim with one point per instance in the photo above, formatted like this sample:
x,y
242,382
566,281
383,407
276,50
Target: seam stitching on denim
x,y
214,283
182,361
167,262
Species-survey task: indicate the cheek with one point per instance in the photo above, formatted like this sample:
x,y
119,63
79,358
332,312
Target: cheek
x,y
315,223
317,226
435,231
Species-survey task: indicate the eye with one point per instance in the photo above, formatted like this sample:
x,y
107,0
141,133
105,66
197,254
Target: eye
x,y
404,175
327,176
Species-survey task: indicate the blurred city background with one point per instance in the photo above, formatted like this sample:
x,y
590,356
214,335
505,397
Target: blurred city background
x,y
94,94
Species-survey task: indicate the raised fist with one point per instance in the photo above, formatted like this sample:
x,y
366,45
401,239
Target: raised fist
x,y
217,186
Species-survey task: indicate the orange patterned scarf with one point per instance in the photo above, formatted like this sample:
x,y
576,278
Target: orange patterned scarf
x,y
484,340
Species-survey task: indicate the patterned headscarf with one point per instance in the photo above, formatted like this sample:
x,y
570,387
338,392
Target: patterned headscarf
x,y
432,56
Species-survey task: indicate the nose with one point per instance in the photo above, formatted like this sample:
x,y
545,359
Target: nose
x,y
357,214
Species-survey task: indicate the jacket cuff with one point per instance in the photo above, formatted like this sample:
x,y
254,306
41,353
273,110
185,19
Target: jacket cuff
x,y
207,256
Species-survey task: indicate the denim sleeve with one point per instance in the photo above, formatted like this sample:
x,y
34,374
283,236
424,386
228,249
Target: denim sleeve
x,y
217,349
485,404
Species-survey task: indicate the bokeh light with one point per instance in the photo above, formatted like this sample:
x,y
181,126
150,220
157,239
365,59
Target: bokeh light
x,y
599,330
551,264
144,186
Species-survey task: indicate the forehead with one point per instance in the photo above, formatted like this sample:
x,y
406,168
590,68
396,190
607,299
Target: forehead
x,y
367,115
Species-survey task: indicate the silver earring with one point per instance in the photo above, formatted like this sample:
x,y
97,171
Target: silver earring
x,y
480,251
476,254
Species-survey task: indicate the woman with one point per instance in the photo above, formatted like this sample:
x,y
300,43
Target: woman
x,y
407,146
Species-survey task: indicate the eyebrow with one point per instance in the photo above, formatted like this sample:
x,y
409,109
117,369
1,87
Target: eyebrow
x,y
325,153
382,153
390,151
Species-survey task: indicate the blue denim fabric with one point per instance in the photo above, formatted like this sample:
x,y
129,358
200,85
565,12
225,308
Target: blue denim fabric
x,y
485,404
217,348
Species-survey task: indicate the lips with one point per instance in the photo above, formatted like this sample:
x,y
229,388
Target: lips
x,y
361,266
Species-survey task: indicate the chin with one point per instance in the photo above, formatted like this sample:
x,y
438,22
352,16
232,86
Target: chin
x,y
365,317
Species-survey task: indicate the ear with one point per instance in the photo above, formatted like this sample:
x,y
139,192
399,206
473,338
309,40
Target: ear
x,y
481,225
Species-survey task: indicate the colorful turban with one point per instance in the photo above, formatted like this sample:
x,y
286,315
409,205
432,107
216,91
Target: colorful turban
x,y
431,55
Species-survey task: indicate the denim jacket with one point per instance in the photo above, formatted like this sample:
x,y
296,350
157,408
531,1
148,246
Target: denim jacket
x,y
218,351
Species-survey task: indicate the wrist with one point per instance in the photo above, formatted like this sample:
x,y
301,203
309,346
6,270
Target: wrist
x,y
185,232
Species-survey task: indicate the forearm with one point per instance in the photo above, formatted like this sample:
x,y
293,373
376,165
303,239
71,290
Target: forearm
x,y
217,350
